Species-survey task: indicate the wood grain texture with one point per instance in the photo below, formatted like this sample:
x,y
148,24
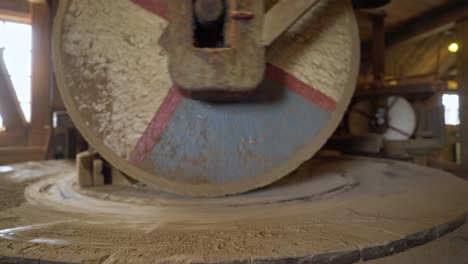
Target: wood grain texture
x,y
316,49
398,13
436,20
12,138
10,155
282,16
85,168
17,10
98,176
113,104
237,65
99,79
385,219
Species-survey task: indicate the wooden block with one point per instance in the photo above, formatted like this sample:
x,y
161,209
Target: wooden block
x,y
98,176
119,178
84,166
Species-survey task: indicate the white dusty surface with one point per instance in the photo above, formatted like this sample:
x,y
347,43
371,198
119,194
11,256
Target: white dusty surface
x,y
114,52
42,215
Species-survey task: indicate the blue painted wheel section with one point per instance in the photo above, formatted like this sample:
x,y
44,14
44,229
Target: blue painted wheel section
x,y
220,143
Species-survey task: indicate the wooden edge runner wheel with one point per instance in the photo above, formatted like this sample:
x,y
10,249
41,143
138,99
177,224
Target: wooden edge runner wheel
x,y
113,76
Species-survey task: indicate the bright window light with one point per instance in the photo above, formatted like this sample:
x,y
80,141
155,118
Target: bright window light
x,y
1,124
451,103
15,38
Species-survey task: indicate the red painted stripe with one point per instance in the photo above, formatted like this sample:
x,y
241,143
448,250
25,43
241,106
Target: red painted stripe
x,y
156,127
157,7
311,94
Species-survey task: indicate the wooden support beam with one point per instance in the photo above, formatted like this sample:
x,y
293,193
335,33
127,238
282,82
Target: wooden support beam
x,y
12,138
462,72
406,90
10,109
429,23
41,72
365,144
15,10
15,17
10,155
412,147
20,6
378,48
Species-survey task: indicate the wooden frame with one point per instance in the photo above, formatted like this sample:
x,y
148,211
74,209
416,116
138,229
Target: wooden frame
x,y
10,109
16,11
22,141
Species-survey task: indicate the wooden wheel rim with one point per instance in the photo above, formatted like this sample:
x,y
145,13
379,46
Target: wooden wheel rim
x,y
334,69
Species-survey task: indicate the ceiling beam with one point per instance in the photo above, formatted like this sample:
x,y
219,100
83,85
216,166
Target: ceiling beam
x,y
378,48
17,11
462,68
20,6
432,22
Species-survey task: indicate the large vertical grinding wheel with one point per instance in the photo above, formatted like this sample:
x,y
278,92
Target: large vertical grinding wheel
x,y
112,72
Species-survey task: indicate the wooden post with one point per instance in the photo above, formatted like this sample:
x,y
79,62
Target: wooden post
x,y
40,76
462,72
85,168
378,48
10,109
98,174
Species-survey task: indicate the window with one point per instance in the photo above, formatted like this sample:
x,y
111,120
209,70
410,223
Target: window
x,y
451,103
1,125
16,39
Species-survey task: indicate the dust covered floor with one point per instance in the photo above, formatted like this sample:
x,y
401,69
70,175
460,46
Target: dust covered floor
x,y
335,210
